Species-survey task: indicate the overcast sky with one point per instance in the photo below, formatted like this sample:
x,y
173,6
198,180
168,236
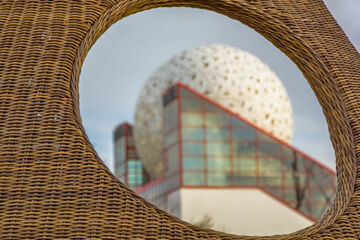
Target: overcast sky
x,y
120,62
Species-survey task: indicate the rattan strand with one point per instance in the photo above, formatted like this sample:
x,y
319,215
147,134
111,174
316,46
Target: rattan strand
x,y
52,183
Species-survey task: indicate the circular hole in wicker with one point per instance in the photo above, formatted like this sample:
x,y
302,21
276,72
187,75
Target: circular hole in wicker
x,y
119,95
298,49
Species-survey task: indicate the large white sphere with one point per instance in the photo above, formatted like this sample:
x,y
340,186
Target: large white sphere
x,y
232,77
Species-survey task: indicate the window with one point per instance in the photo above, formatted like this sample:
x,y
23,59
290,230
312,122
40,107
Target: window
x,y
270,164
242,179
218,149
219,179
172,155
191,163
191,104
171,116
244,149
192,148
212,108
245,134
192,133
321,180
192,119
244,164
270,149
275,191
294,195
194,179
171,138
265,138
295,180
288,152
270,179
322,195
218,134
238,123
187,94
218,164
317,210
216,120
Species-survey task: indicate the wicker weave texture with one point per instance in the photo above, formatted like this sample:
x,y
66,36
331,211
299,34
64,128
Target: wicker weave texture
x,y
52,183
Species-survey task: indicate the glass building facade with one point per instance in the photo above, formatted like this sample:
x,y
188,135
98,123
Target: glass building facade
x,y
218,148
128,166
207,146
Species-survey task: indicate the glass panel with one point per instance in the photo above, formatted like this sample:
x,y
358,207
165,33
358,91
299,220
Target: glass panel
x,y
270,149
187,94
219,179
136,165
214,119
288,152
270,179
139,178
304,208
235,122
289,165
300,163
319,169
244,149
170,95
321,195
244,164
193,163
244,179
270,164
262,137
171,138
291,195
132,178
192,119
299,205
173,182
193,148
173,159
321,180
193,133
245,134
194,179
217,134
191,104
170,116
318,210
212,108
218,149
297,165
218,164
277,192
293,179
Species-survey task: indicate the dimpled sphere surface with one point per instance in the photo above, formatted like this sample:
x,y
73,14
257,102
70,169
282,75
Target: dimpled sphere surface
x,y
237,80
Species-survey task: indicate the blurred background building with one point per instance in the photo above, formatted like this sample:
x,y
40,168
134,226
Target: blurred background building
x,y
223,171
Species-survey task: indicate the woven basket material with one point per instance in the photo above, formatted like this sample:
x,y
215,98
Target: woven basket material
x,y
52,183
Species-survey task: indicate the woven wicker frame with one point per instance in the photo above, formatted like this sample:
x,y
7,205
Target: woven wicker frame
x,y
52,183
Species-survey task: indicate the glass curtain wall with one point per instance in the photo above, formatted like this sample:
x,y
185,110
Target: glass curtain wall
x,y
128,166
220,149
158,191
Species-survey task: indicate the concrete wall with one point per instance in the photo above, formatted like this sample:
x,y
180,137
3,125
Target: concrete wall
x,y
240,211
